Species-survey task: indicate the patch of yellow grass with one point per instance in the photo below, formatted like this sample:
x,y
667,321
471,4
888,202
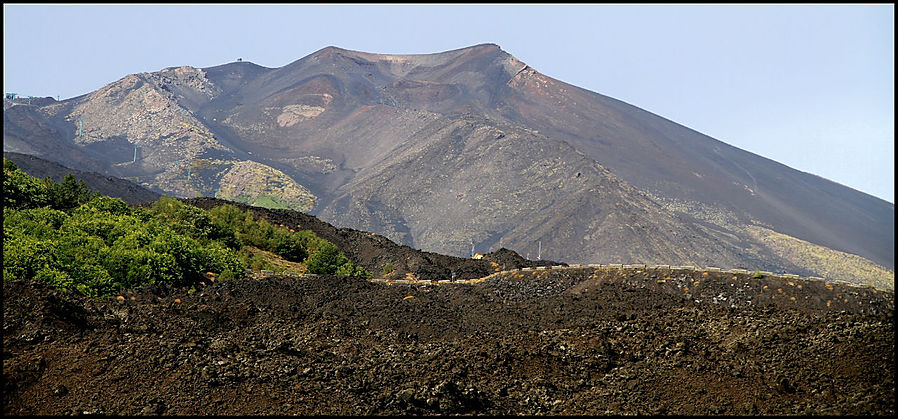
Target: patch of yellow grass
x,y
249,181
277,263
829,263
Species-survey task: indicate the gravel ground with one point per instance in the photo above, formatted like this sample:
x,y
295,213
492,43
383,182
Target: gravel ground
x,y
589,341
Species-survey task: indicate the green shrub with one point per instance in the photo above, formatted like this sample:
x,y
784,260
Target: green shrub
x,y
74,247
132,267
289,245
220,259
228,275
93,280
326,260
20,190
185,252
329,260
103,245
109,205
25,255
348,269
388,268
93,222
192,221
42,223
310,241
55,278
165,207
293,246
227,215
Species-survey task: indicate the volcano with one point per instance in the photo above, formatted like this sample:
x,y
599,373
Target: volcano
x,y
463,151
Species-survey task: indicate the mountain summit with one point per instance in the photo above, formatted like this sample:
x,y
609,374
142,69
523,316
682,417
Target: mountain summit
x,y
469,148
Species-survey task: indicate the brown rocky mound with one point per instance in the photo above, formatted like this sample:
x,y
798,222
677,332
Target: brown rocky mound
x,y
543,342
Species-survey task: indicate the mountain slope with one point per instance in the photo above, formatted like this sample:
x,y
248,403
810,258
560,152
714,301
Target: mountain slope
x,y
647,151
465,147
481,184
675,162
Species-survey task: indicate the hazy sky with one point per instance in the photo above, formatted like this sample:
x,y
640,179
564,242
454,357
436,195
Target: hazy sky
x,y
810,86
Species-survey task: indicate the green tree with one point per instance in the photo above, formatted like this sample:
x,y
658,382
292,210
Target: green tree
x,y
69,194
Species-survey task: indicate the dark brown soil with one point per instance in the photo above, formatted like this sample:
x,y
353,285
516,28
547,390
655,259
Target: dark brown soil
x,y
582,341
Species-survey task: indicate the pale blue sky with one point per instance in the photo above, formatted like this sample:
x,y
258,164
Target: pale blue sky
x,y
810,86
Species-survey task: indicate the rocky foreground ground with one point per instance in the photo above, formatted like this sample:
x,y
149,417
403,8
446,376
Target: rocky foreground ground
x,y
588,341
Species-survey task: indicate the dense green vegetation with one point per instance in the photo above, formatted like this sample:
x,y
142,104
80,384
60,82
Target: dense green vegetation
x,y
74,239
330,260
23,191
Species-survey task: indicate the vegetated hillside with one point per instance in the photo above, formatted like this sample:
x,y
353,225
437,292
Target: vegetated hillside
x,y
74,239
381,256
356,138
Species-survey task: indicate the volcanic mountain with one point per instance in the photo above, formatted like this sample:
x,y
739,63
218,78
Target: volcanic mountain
x,y
460,150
